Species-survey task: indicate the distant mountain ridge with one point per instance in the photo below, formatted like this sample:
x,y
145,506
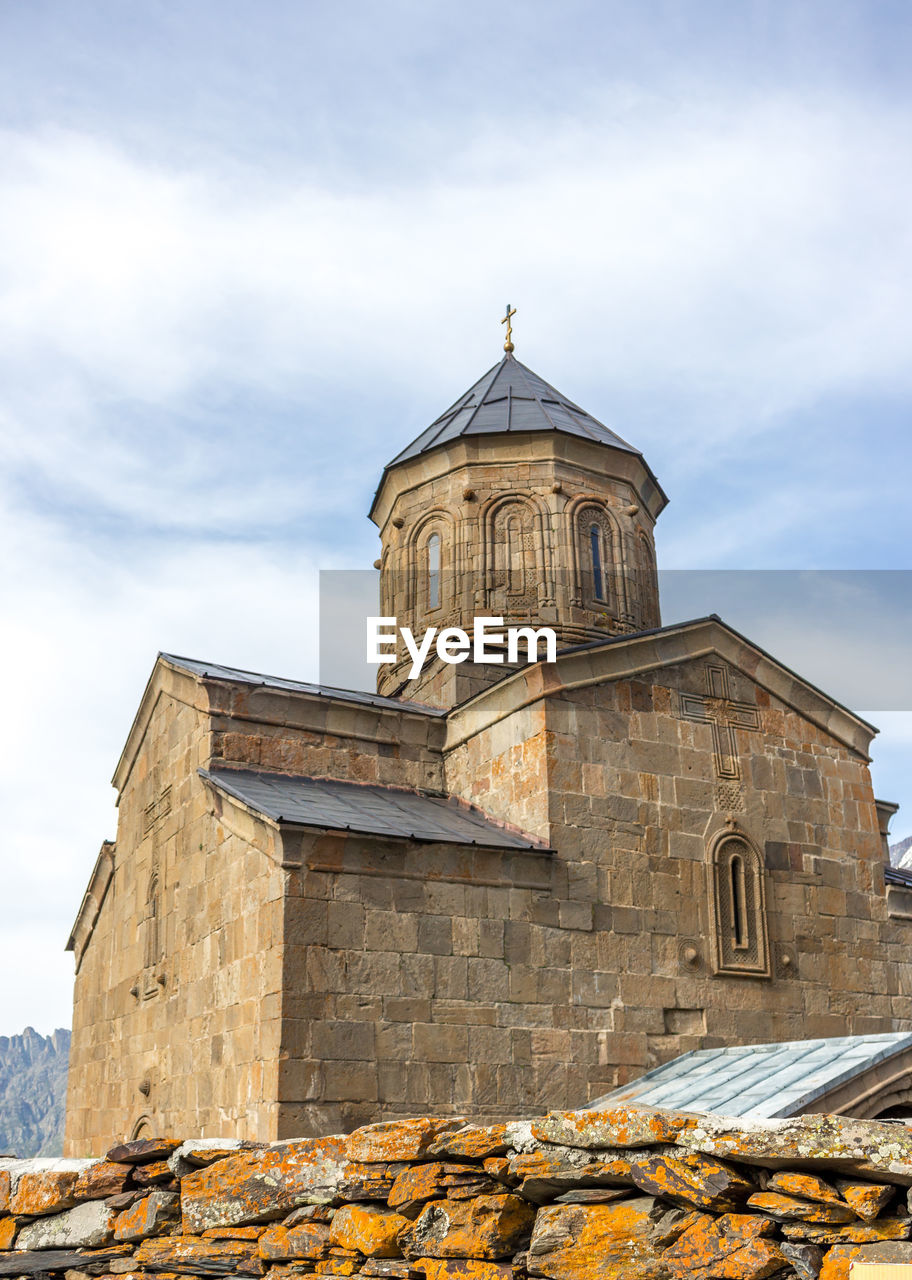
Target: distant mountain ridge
x,y
903,849
33,1077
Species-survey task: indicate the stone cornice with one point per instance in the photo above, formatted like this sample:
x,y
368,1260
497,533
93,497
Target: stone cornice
x,y
90,908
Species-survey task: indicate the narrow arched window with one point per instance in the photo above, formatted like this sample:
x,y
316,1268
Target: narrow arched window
x,y
433,570
596,559
595,547
153,943
739,927
739,908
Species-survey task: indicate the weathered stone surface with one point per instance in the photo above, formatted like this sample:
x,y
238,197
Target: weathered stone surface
x,y
397,1139
373,1232
691,1179
838,1260
805,1259
489,1227
7,1232
596,1242
42,1260
156,1173
370,1181
790,1209
806,1186
472,1142
193,1254
542,1175
45,1192
396,1267
628,1126
105,1178
668,1223
586,1195
306,1240
144,1150
202,1152
336,1267
4,1190
868,1199
150,1216
257,1186
819,1143
463,1269
235,1233
421,1182
86,1226
733,1247
309,1213
851,1232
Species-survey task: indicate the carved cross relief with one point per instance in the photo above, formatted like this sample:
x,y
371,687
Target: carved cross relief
x,y
718,709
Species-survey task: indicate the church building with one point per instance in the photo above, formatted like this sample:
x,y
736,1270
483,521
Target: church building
x,y
492,888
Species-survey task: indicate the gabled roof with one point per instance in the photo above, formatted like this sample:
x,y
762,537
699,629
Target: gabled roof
x,y
371,810
762,1080
510,397
215,671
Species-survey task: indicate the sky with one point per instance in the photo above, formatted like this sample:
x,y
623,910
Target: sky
x,y
249,250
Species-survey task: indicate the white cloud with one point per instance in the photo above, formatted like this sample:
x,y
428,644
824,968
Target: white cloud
x,y
80,631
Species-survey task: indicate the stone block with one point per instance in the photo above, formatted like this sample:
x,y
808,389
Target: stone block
x,y
86,1226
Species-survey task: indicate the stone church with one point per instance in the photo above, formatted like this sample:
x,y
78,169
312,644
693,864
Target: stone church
x,y
491,889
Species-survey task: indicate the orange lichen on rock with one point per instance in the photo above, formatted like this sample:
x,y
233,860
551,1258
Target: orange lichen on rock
x,y
258,1185
234,1233
462,1269
397,1139
373,1232
488,1227
306,1240
850,1232
45,1192
105,1178
7,1232
185,1253
838,1261
789,1209
596,1242
733,1247
150,1216
692,1180
866,1198
806,1186
429,1181
474,1143
628,1126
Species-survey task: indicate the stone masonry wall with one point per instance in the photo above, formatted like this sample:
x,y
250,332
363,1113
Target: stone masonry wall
x,y
633,802
210,966
622,1194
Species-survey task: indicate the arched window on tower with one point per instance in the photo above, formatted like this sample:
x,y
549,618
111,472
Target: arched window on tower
x,y
433,571
595,552
739,908
595,542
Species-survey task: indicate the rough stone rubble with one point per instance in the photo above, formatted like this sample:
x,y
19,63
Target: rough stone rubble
x,y
625,1194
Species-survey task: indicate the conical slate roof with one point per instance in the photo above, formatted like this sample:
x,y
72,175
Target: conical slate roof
x,y
510,397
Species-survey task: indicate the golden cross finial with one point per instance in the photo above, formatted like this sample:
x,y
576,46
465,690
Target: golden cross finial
x,y
508,345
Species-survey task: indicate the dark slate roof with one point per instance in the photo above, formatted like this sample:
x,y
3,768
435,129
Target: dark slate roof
x,y
762,1080
215,671
510,397
371,810
901,875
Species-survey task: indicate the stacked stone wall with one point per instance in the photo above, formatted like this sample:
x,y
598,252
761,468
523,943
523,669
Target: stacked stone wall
x,y
623,1194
